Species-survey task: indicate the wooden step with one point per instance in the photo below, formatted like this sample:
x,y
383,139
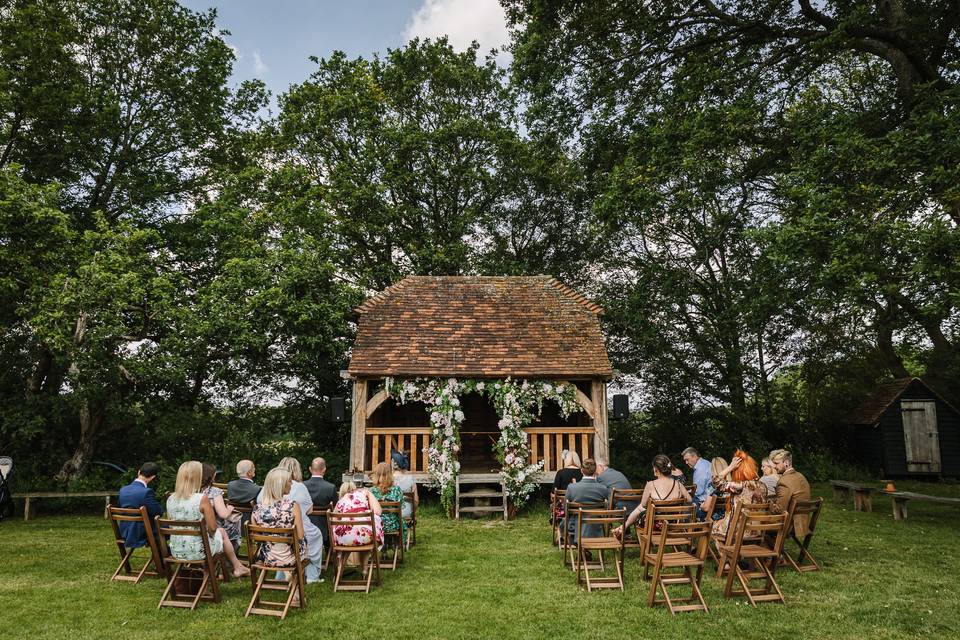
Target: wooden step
x,y
482,494
490,509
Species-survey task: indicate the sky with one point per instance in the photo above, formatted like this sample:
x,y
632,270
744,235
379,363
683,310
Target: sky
x,y
273,39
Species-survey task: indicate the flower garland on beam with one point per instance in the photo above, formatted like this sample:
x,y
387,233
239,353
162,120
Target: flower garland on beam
x,y
517,402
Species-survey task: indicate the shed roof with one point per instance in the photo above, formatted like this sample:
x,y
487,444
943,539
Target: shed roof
x,y
482,326
870,410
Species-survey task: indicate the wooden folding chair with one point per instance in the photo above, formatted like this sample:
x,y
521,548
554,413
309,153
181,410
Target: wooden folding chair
x,y
628,499
658,512
811,509
204,570
294,586
557,498
605,519
372,564
324,511
124,571
245,509
689,558
411,520
718,540
393,538
568,545
763,554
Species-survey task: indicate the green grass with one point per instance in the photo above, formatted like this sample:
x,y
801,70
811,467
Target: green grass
x,y
473,579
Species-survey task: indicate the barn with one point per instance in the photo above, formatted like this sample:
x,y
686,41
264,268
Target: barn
x,y
905,428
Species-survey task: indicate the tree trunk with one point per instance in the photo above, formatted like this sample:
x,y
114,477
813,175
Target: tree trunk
x,y
92,417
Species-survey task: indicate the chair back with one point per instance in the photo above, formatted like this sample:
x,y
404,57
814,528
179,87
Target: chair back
x,y
624,496
391,507
808,508
691,489
558,496
753,523
665,507
408,497
116,515
354,519
740,509
167,528
243,507
697,534
257,535
221,485
604,518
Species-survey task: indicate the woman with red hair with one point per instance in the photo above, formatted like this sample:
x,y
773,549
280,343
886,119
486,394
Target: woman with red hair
x,y
744,486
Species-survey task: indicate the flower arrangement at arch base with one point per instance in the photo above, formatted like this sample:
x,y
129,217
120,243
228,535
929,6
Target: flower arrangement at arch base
x,y
517,402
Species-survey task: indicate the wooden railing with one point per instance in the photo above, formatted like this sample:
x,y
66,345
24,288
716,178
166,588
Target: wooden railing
x,y
411,440
546,444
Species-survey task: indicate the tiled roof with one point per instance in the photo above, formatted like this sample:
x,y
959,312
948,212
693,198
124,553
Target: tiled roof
x,y
519,326
870,410
884,395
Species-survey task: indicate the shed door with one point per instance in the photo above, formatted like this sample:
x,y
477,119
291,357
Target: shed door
x,y
920,435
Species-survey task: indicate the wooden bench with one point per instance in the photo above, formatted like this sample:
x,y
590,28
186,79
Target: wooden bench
x,y
36,495
900,501
862,494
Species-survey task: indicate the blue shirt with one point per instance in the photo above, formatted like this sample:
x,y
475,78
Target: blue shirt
x,y
703,479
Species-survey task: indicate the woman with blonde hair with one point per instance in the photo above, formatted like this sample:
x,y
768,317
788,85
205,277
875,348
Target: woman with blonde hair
x,y
187,502
770,477
385,490
300,495
570,471
354,500
276,509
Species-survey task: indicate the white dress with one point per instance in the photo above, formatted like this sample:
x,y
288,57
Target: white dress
x,y
406,483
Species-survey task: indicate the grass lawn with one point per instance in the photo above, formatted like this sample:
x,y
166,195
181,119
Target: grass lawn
x,y
478,579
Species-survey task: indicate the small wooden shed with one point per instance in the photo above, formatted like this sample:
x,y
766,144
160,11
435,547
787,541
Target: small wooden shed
x,y
905,428
521,327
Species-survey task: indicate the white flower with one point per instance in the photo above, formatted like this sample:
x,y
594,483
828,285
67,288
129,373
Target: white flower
x,y
503,423
547,387
443,457
508,458
448,431
480,386
458,415
455,401
455,448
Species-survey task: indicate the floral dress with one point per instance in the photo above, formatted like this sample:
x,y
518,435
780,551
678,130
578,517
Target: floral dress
x,y
278,514
356,535
752,492
391,522
190,547
230,524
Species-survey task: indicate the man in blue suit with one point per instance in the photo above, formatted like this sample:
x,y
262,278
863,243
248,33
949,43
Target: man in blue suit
x,y
135,495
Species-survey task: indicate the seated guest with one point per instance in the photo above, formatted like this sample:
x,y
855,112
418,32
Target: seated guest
x,y
384,490
188,503
277,510
744,487
301,496
611,477
354,500
570,472
322,493
702,478
227,518
589,490
662,487
770,476
135,495
792,484
408,485
243,490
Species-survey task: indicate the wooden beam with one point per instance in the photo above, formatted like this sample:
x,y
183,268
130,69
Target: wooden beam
x,y
358,424
585,403
601,439
374,403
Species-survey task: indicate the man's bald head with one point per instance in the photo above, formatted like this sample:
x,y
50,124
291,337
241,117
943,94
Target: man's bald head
x,y
318,466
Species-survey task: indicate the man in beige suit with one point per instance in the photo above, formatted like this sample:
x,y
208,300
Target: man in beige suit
x,y
792,484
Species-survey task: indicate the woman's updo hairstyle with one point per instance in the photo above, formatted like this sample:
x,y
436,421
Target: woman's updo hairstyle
x,y
662,464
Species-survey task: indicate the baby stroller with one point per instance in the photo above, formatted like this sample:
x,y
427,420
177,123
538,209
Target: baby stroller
x,y
6,498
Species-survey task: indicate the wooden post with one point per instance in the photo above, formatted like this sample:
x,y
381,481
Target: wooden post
x,y
601,442
26,509
358,425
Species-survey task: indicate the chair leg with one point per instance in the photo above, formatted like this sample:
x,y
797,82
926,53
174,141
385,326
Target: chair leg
x,y
695,585
257,586
654,585
171,590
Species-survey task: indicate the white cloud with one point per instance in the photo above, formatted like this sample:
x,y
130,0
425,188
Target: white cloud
x,y
259,66
462,21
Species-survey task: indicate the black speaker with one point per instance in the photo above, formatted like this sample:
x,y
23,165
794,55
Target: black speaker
x,y
621,406
338,410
